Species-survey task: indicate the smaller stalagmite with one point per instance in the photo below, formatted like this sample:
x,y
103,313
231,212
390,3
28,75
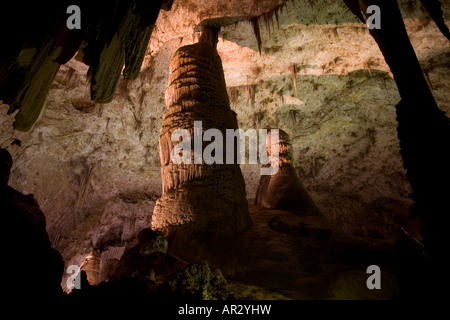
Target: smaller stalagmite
x,y
91,266
199,196
284,190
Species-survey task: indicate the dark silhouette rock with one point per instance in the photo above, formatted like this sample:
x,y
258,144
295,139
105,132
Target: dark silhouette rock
x,y
147,259
34,269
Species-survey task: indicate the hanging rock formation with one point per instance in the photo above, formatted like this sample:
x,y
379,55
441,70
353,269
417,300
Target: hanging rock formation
x,y
113,37
199,196
284,190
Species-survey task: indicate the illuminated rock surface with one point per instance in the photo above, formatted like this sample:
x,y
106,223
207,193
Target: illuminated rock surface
x,y
95,168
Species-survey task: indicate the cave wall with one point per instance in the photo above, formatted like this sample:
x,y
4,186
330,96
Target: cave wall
x,y
95,166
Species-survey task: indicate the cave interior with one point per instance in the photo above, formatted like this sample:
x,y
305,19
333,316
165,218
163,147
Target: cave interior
x,y
97,205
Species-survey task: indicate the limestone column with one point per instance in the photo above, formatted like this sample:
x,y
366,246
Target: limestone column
x,y
284,190
199,196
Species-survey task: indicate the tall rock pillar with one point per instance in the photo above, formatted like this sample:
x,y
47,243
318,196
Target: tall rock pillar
x,y
197,195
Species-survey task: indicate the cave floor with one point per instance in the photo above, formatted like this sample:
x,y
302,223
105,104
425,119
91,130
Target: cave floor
x,y
282,256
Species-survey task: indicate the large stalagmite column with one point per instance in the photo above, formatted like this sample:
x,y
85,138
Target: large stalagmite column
x,y
201,197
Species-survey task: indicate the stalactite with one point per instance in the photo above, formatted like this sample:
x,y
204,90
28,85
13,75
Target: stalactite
x,y
111,37
268,21
127,48
277,18
233,93
258,117
106,74
135,48
250,94
37,81
293,115
281,95
293,72
255,23
269,16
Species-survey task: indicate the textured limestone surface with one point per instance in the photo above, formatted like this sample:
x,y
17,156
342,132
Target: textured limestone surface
x,y
196,194
283,189
96,166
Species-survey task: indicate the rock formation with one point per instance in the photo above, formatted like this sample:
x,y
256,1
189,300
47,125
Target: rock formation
x,y
34,269
109,41
320,75
91,266
284,189
424,151
208,197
